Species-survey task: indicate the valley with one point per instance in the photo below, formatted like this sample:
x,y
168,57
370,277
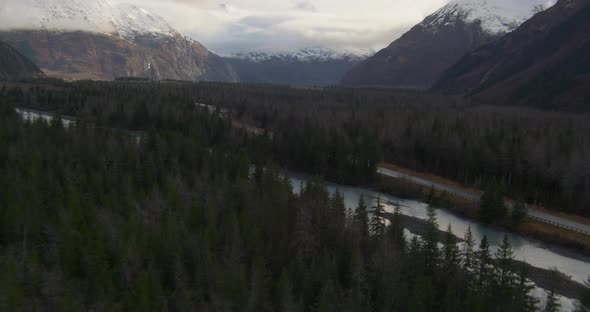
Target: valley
x,y
260,156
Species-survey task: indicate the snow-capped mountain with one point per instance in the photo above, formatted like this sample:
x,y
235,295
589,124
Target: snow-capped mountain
x,y
97,16
91,39
57,15
306,55
308,66
418,58
543,63
494,16
131,22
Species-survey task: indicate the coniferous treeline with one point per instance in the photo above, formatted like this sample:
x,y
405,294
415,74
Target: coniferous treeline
x,y
93,219
343,134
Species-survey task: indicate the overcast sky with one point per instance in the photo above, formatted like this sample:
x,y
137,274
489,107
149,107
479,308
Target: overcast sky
x,y
261,25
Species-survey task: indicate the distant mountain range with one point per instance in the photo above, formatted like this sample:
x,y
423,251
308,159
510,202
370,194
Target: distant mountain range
x,y
14,65
91,40
420,56
310,66
545,62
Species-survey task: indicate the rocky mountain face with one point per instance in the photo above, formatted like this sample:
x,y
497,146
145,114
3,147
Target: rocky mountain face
x,y
80,39
418,58
14,65
306,67
544,63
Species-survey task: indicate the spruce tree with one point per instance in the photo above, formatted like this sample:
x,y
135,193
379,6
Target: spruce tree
x,y
361,218
452,256
396,229
431,250
504,265
484,263
469,254
492,206
377,225
525,301
552,303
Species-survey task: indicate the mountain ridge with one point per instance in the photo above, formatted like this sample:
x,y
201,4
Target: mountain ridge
x,y
544,63
307,66
77,39
14,65
420,56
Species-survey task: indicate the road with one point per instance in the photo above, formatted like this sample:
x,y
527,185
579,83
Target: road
x,y
532,213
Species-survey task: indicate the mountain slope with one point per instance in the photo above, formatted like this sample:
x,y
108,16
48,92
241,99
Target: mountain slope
x,y
91,40
417,59
14,65
545,62
311,66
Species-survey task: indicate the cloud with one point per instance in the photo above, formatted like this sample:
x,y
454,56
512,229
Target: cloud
x,y
305,6
276,25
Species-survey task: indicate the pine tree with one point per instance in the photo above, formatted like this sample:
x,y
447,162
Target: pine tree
x,y
484,263
504,265
396,229
469,255
431,250
361,218
525,301
504,278
415,254
378,227
492,206
452,256
552,303
338,210
431,198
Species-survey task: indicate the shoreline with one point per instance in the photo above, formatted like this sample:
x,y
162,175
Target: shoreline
x,y
562,241
539,276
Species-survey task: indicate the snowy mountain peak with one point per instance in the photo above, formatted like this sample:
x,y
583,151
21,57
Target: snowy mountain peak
x,y
495,16
305,55
96,16
132,21
62,15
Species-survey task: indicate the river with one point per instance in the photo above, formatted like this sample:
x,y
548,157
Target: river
x,y
525,249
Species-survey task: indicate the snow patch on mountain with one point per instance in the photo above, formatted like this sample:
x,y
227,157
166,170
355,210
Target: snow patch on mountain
x,y
306,55
59,15
495,16
132,21
95,16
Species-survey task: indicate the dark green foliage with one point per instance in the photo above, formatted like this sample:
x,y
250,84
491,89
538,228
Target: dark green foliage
x,y
492,206
519,212
524,300
552,303
377,220
431,250
451,254
342,134
396,229
484,265
144,206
